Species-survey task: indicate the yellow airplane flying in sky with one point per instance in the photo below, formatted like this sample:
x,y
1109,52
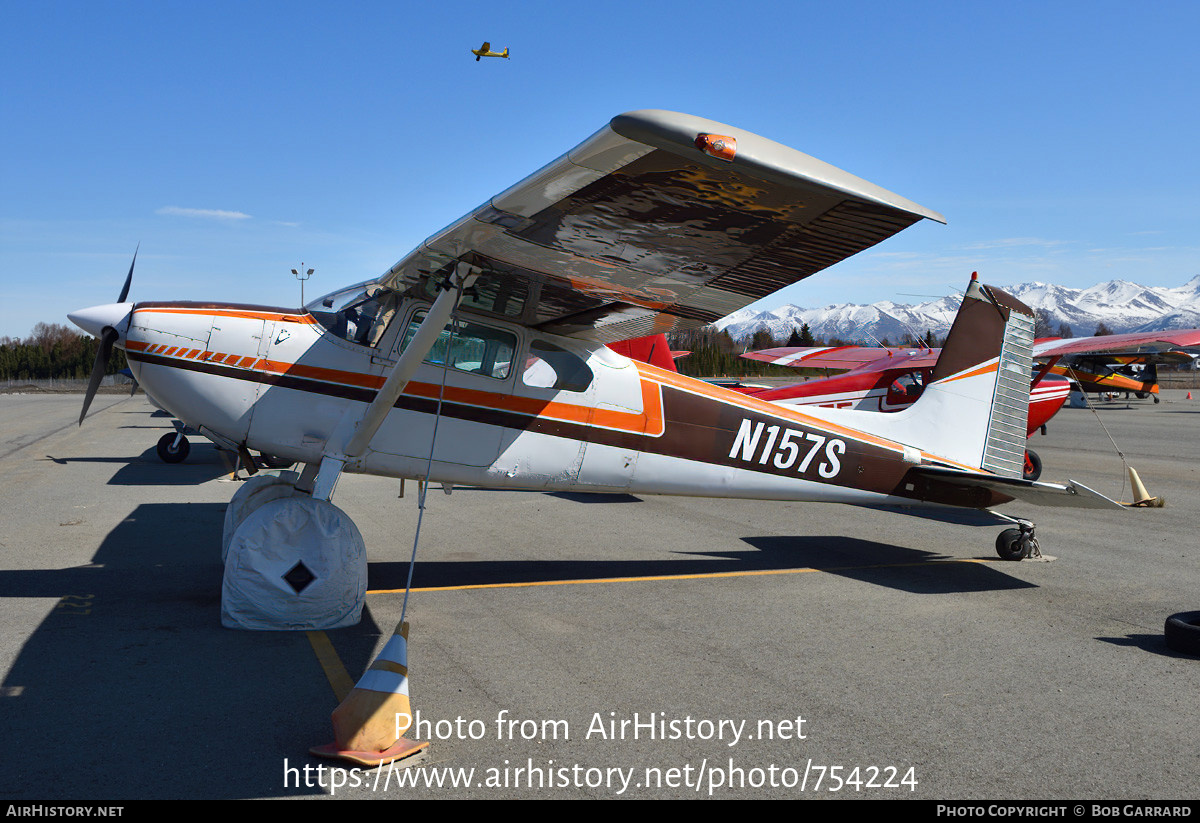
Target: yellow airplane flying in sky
x,y
486,51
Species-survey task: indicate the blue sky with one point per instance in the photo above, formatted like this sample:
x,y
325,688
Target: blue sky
x,y
236,140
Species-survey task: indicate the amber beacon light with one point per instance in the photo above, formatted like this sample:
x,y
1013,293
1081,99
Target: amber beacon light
x,y
717,145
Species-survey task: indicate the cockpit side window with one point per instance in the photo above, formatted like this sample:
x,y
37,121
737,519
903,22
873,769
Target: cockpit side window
x,y
359,315
471,348
551,367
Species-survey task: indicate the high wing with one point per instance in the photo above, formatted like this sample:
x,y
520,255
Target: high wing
x,y
1122,344
847,358
658,222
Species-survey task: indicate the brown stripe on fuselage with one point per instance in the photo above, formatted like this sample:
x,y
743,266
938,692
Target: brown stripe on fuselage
x,y
694,426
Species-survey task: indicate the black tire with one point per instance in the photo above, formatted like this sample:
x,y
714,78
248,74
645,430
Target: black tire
x,y
1182,632
168,452
1033,465
1010,546
1141,395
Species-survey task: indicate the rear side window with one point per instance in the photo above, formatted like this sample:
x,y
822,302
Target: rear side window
x,y
470,348
550,367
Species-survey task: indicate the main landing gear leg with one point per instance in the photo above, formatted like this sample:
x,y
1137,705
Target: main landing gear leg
x,y
294,560
1018,543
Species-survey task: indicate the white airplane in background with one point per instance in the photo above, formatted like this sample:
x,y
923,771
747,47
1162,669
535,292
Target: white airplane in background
x,y
492,332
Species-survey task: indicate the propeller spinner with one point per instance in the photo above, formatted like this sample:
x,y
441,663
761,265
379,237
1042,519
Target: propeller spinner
x,y
104,322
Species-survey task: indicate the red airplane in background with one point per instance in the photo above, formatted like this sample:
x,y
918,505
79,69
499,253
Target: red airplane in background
x,y
889,379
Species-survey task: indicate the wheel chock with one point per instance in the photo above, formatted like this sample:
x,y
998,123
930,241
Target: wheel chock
x,y
370,723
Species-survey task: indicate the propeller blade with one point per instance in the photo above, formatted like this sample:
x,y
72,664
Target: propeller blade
x,y
129,277
107,339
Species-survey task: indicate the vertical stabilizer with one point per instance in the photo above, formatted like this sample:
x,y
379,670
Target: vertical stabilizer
x,y
973,413
978,398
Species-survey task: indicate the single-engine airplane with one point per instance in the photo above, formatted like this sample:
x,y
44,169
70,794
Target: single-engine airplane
x,y
486,51
1128,363
479,358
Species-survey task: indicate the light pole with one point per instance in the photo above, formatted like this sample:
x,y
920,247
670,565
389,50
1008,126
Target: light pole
x,y
302,278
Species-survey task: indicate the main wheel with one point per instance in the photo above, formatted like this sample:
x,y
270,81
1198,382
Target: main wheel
x,y
1010,545
1182,632
1033,465
169,451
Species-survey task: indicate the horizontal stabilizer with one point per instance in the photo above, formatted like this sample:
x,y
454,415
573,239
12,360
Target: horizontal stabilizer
x,y
1071,495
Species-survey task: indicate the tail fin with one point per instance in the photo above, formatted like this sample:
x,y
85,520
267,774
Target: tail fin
x,y
978,401
974,411
653,349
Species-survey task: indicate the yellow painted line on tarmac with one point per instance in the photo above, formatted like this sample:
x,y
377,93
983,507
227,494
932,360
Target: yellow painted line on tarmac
x,y
342,683
335,671
706,576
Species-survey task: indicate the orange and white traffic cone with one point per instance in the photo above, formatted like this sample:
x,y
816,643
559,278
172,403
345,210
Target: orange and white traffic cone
x,y
369,725
1141,497
1189,397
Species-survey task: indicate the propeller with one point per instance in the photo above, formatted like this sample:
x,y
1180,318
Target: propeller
x,y
108,337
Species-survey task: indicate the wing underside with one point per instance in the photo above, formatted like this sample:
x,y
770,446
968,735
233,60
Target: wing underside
x,y
639,231
1145,344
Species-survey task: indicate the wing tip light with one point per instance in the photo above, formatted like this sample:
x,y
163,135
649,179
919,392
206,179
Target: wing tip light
x,y
719,146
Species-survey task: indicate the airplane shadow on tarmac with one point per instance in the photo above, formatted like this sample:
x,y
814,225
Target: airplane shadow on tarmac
x,y
204,463
896,567
130,688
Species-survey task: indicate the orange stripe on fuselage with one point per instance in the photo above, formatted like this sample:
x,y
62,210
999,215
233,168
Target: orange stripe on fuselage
x,y
984,369
650,421
305,319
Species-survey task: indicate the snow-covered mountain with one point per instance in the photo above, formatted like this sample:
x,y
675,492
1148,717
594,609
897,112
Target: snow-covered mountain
x,y
1122,306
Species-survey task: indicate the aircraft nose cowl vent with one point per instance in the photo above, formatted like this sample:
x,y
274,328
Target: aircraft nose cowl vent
x,y
299,577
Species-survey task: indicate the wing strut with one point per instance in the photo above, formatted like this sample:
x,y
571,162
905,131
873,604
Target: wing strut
x,y
418,348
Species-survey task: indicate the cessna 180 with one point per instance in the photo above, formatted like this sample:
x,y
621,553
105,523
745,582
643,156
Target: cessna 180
x,y
480,359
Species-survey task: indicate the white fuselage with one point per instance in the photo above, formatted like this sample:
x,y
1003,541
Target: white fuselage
x,y
280,382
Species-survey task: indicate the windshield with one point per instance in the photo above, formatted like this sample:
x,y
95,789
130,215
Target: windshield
x,y
359,314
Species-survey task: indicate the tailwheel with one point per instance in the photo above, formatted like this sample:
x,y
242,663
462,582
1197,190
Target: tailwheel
x,y
1033,465
1018,543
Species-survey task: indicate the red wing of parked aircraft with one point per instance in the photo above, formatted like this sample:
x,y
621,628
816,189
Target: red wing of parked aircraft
x,y
1139,343
847,358
1107,363
1143,347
